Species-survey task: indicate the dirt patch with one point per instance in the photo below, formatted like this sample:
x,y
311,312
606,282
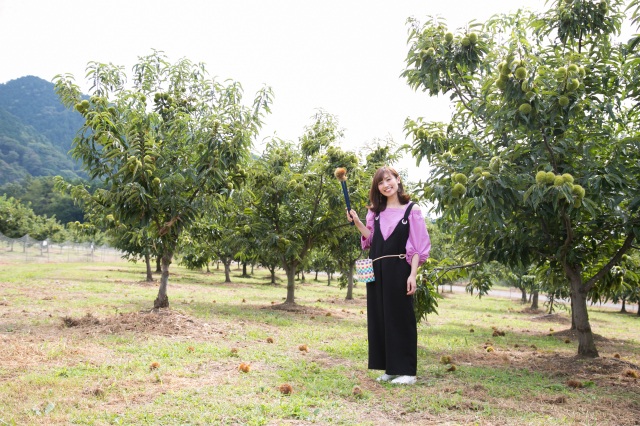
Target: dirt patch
x,y
573,335
71,340
300,309
555,318
529,310
602,371
570,377
162,322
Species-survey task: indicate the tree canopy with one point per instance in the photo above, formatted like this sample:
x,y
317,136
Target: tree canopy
x,y
297,202
540,160
162,144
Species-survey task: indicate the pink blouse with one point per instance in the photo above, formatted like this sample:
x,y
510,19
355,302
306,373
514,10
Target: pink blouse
x,y
418,242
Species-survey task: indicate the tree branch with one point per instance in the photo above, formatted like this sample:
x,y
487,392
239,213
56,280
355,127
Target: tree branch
x,y
451,268
570,235
551,156
628,243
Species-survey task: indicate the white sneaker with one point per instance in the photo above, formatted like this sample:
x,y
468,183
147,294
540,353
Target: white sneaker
x,y
385,377
404,380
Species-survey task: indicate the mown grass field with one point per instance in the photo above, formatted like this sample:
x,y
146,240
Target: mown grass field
x,y
79,345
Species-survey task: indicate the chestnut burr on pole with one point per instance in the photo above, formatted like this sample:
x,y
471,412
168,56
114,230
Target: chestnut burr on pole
x,y
341,175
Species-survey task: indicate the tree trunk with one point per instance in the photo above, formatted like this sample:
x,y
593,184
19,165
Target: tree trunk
x,y
158,265
162,301
586,343
227,270
291,284
534,299
638,309
302,272
573,317
147,261
316,275
350,283
551,302
208,271
624,307
523,299
272,270
244,269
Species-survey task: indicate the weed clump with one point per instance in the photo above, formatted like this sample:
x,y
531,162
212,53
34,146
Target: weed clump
x,y
97,392
88,319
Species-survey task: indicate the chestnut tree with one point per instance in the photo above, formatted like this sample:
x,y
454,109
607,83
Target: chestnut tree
x,y
539,163
296,204
162,143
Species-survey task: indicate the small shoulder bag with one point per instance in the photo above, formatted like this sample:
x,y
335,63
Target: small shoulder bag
x,y
364,267
364,270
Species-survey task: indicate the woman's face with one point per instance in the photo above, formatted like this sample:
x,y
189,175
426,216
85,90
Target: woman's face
x,y
388,186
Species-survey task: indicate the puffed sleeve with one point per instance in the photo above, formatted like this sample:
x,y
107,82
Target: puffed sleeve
x,y
419,241
366,242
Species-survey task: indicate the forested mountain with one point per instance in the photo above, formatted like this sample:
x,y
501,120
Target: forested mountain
x,y
36,131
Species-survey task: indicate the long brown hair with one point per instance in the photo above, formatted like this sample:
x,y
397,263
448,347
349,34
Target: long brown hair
x,y
378,202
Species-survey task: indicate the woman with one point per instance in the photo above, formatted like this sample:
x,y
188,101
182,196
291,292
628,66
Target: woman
x,y
398,240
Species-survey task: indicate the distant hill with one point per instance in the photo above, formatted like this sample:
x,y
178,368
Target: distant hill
x,y
36,131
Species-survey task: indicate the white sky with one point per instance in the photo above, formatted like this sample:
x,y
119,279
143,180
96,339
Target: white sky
x,y
344,56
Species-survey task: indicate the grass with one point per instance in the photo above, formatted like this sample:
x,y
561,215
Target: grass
x,y
121,364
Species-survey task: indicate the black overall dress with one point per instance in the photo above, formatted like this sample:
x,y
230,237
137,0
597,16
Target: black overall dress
x,y
392,330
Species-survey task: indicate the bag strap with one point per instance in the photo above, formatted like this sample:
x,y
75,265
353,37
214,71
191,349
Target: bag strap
x,y
401,256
